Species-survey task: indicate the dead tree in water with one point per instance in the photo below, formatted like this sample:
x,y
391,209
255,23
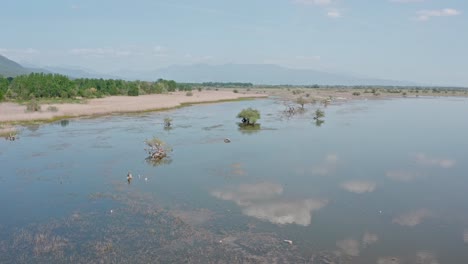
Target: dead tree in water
x,y
157,149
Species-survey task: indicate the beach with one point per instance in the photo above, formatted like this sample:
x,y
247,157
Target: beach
x,y
13,112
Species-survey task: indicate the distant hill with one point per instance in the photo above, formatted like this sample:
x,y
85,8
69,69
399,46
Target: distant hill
x,y
248,73
257,74
78,72
9,68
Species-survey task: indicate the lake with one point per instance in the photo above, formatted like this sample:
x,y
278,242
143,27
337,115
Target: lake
x,y
380,181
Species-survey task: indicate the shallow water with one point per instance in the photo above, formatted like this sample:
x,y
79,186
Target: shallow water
x,y
379,182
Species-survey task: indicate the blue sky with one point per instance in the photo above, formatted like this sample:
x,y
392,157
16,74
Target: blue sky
x,y
424,41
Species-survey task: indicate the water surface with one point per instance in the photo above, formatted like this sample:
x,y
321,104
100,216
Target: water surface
x,y
380,181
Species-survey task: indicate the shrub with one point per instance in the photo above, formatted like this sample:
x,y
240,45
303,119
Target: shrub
x,y
235,91
134,91
167,122
249,116
199,89
189,93
52,108
33,106
356,93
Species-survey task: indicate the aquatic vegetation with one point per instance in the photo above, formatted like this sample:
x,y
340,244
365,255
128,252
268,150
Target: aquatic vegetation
x,y
158,150
249,117
167,122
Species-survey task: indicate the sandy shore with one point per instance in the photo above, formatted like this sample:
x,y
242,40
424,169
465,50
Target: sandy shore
x,y
12,112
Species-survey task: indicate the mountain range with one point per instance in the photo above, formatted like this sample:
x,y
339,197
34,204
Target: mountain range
x,y
267,74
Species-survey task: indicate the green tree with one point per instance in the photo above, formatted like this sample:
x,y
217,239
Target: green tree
x,y
249,116
301,101
319,114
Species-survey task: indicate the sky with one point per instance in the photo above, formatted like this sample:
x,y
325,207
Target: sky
x,y
424,41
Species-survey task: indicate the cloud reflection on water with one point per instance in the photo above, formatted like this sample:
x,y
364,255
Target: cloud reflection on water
x,y
285,212
412,218
359,186
327,166
353,247
246,194
425,160
402,176
264,201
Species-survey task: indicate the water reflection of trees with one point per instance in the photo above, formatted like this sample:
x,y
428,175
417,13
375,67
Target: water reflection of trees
x,y
249,129
158,162
64,123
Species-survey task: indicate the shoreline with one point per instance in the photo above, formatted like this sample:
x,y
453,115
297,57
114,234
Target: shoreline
x,y
14,113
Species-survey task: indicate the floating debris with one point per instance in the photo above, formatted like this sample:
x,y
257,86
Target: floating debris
x,y
227,140
129,177
288,241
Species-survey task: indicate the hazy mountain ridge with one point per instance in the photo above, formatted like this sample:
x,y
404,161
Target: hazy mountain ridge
x,y
257,74
267,74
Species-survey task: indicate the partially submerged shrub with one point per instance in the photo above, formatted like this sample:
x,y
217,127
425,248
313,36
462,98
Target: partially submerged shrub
x,y
167,122
249,116
157,149
319,114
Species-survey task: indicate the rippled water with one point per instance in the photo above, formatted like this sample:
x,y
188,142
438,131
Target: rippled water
x,y
380,181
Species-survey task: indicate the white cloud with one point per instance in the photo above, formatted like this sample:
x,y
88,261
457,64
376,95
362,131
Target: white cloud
x,y
314,2
424,15
334,14
27,51
425,160
407,1
256,201
100,52
349,247
359,186
160,51
412,218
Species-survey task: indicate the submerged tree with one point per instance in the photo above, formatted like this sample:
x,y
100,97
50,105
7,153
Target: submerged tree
x,y
249,116
167,122
318,115
157,150
301,101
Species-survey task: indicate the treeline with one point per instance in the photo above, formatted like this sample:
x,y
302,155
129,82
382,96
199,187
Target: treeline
x,y
227,84
40,85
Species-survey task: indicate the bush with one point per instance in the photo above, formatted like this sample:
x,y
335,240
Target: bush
x,y
235,91
33,106
167,122
134,91
199,89
189,93
356,93
52,108
249,116
319,114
